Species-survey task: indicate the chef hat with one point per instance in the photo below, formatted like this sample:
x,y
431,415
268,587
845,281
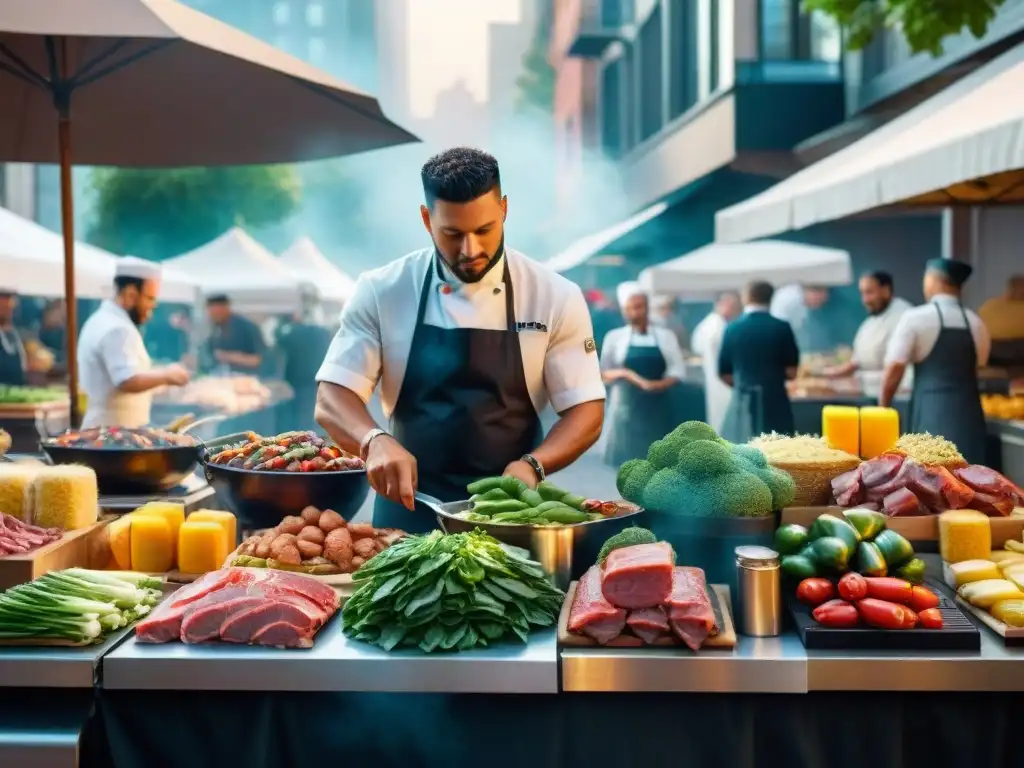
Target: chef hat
x,y
955,272
139,269
628,290
663,301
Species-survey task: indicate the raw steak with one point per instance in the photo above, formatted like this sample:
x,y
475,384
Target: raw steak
x,y
848,488
993,505
639,576
689,608
988,481
241,625
938,489
902,503
590,614
648,624
881,469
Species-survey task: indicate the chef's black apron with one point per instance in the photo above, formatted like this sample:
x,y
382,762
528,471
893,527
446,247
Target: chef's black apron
x,y
464,410
946,399
12,359
638,418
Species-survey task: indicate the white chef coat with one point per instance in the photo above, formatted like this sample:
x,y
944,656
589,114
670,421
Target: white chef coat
x,y
618,341
111,351
873,336
918,329
707,342
377,324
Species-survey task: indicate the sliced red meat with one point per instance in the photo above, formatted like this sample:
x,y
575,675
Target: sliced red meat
x,y
988,481
649,624
689,608
895,483
625,641
164,623
590,614
848,488
903,503
281,634
881,469
203,623
639,576
938,489
242,625
992,505
297,584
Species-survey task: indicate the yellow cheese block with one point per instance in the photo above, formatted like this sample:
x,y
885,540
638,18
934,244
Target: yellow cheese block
x,y
985,594
840,425
879,430
173,513
967,571
16,489
202,546
65,496
119,535
225,520
1001,556
1016,577
152,545
964,534
1009,612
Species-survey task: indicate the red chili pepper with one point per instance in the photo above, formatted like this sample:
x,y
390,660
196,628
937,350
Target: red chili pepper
x,y
909,618
888,588
306,466
930,618
923,598
836,614
883,614
814,591
853,587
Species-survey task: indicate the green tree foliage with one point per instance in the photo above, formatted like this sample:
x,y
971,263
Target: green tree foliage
x,y
157,214
923,23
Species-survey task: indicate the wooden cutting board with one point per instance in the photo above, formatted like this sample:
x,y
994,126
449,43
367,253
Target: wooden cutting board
x,y
720,603
84,548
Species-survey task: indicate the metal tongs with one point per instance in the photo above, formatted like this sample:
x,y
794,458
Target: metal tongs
x,y
184,424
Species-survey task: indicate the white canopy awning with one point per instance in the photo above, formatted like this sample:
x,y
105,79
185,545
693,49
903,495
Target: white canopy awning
x,y
307,261
722,267
966,144
591,245
251,276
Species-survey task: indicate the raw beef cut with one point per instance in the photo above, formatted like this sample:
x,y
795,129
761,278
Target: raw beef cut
x,y
243,605
992,505
649,624
881,469
639,576
988,481
937,488
590,614
902,503
882,480
689,608
848,488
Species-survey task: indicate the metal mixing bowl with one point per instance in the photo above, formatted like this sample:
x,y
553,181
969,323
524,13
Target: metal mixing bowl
x,y
565,552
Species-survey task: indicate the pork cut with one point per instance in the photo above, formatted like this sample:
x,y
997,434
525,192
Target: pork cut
x,y
689,607
881,469
902,503
639,576
240,605
848,488
591,614
984,480
649,624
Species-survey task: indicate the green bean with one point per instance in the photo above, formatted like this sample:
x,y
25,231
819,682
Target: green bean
x,y
550,492
495,494
484,485
573,500
566,516
494,507
531,497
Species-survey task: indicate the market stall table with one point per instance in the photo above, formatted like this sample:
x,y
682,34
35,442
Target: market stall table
x,y
1006,449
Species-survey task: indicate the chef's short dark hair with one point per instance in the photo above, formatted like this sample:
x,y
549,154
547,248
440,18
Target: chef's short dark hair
x,y
459,175
760,292
217,298
121,282
884,279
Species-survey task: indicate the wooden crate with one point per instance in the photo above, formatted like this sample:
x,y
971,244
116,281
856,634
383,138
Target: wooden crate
x,y
84,548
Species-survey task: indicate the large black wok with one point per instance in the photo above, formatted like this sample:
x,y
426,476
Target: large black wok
x,y
127,471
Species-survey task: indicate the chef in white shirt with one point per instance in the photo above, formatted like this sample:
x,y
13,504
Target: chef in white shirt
x,y
707,342
639,362
117,375
946,344
884,312
469,341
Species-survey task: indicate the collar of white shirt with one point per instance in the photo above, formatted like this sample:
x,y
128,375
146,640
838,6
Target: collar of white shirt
x,y
754,308
117,311
492,281
946,299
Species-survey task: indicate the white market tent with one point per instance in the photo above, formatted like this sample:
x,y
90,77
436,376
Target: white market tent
x,y
723,267
253,278
582,250
965,144
305,260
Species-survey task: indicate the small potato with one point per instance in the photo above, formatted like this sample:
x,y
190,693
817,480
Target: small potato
x,y
380,545
263,544
283,540
249,546
291,524
311,515
309,549
357,563
338,548
361,530
364,548
290,555
313,534
330,521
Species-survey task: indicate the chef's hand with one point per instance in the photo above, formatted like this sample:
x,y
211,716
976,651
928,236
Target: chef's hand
x,y
523,471
391,471
176,375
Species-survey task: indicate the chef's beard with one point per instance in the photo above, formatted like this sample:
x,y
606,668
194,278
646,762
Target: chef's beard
x,y
462,275
135,317
881,310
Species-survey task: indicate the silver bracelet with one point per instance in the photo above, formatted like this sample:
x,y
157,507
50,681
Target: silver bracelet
x,y
369,437
536,465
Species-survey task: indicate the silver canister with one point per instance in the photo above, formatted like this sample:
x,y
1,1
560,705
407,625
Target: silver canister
x,y
760,591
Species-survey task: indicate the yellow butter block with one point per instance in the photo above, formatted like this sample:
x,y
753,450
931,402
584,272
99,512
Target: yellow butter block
x,y
65,496
967,571
119,536
16,489
202,546
840,425
985,594
225,520
879,430
152,545
964,534
173,513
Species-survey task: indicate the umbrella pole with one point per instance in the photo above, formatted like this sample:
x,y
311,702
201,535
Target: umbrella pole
x,y
67,218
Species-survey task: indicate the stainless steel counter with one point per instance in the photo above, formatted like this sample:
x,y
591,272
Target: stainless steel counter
x,y
334,664
41,748
55,667
766,665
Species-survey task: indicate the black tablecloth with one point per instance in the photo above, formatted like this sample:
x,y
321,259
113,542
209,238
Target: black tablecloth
x,y
165,730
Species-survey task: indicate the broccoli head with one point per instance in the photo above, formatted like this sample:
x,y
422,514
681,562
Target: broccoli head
x,y
666,492
632,478
701,459
628,537
737,494
781,484
751,454
689,431
664,453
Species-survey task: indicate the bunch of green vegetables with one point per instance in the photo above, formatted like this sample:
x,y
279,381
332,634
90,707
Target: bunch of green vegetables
x,y
453,592
509,500
14,395
77,605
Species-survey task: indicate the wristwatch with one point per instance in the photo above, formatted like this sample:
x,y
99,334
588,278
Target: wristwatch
x,y
369,437
530,459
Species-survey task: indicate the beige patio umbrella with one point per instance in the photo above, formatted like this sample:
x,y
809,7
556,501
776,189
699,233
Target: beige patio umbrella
x,y
153,83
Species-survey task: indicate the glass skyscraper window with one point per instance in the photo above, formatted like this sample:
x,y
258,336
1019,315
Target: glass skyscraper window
x,y
282,13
